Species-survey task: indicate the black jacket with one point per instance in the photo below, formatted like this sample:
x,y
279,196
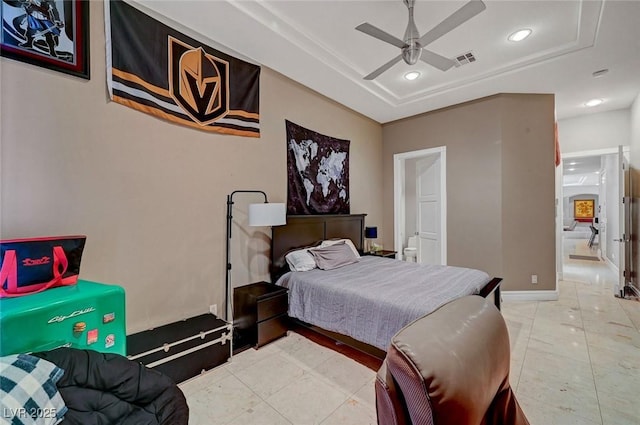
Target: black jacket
x,y
109,389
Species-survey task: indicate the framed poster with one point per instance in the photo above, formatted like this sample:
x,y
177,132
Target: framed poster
x,y
583,208
53,34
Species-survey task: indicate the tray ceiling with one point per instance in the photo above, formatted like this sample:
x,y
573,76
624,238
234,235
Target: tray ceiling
x,y
314,42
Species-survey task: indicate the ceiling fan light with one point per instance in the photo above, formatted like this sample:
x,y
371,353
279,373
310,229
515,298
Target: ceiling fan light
x,y
411,54
520,35
593,102
411,75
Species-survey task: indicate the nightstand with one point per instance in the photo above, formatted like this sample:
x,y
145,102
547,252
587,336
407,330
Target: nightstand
x,y
259,314
383,253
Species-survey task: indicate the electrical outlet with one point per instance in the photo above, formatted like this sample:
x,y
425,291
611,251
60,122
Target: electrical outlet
x,y
534,279
213,309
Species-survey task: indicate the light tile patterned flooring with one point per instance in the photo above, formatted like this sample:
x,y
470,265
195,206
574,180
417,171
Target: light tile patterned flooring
x,y
574,361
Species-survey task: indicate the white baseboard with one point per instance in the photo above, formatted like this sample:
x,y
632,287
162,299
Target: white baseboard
x,y
530,295
612,266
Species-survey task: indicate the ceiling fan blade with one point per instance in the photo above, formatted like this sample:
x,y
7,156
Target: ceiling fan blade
x,y
376,32
436,60
454,20
383,68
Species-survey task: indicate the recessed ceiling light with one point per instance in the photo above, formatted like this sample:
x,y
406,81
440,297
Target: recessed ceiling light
x,y
593,102
572,169
520,35
572,163
411,75
597,172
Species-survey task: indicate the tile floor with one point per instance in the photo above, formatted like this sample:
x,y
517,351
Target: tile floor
x,y
574,361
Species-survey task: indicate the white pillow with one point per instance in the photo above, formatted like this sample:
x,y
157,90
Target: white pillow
x,y
300,260
330,242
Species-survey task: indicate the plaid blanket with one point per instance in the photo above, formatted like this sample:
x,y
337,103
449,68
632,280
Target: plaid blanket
x,y
28,392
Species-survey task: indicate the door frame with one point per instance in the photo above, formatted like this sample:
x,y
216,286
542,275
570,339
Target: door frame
x,y
399,224
559,228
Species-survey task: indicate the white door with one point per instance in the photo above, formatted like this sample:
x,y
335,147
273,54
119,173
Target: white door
x,y
428,200
624,241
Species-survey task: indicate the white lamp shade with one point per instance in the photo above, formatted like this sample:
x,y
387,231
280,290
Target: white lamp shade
x,y
267,214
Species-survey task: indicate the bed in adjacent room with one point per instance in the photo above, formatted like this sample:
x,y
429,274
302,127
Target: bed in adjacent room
x,y
362,302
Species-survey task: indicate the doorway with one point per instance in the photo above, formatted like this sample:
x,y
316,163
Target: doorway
x,y
420,203
594,179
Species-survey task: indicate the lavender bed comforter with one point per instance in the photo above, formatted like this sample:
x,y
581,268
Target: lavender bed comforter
x,y
374,298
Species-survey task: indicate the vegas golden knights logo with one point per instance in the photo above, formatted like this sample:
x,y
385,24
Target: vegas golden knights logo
x,y
198,82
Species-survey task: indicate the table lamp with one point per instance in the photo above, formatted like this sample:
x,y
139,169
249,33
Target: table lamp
x,y
370,233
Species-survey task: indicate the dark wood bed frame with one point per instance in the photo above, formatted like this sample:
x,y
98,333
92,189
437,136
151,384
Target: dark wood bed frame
x,y
308,230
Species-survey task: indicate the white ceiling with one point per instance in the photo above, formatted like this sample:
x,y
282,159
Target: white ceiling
x,y
583,171
314,42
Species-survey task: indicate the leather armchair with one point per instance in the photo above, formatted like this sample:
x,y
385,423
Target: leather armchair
x,y
450,367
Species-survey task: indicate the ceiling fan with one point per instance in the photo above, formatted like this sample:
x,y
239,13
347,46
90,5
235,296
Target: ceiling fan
x,y
413,46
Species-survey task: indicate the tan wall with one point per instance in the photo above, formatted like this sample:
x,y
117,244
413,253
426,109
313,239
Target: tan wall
x,y
151,195
471,134
528,192
499,152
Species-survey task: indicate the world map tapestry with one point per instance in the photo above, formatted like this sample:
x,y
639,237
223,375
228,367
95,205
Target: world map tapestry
x,y
318,172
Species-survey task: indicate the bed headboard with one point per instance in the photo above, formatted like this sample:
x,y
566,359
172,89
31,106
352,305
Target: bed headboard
x,y
305,230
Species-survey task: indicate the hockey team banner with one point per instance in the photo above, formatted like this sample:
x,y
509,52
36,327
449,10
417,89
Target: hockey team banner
x,y
158,70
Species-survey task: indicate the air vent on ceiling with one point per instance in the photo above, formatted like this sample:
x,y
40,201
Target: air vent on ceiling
x,y
465,58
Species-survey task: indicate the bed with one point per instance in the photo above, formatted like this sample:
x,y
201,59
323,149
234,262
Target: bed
x,y
363,304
